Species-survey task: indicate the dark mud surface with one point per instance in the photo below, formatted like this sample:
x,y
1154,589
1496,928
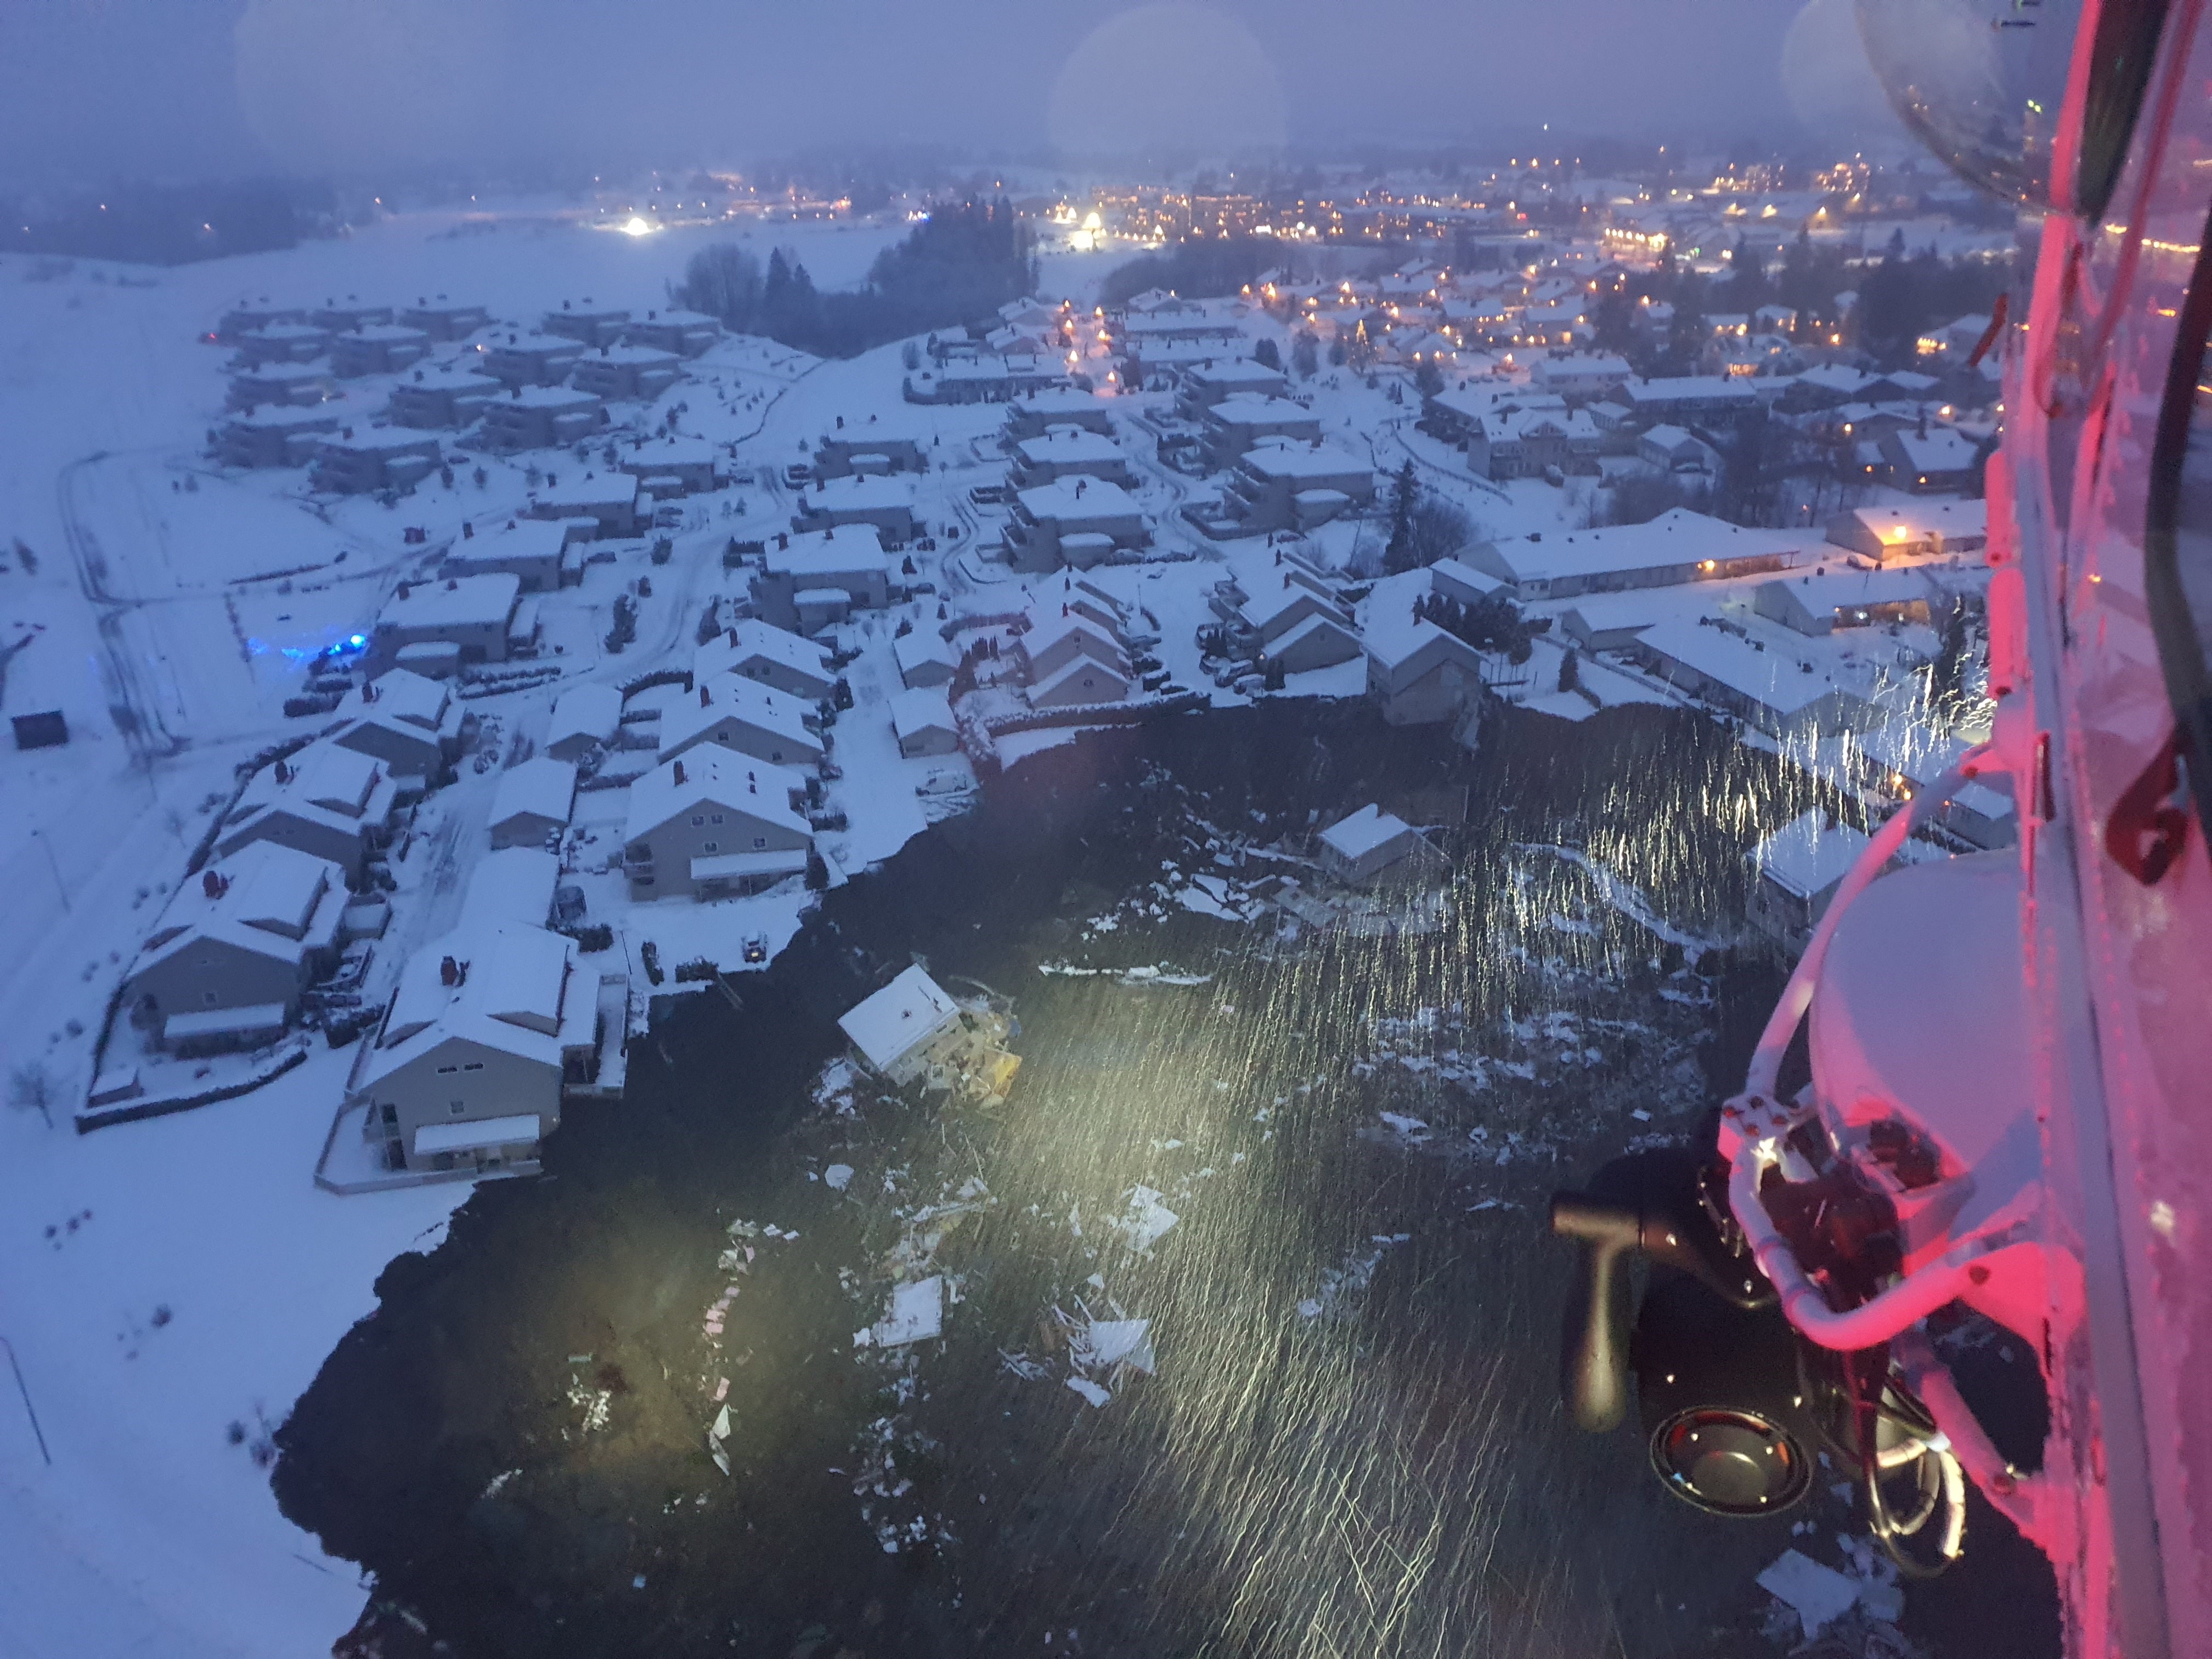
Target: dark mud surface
x,y
1350,1441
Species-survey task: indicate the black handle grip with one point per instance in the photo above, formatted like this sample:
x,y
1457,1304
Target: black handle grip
x,y
1594,1346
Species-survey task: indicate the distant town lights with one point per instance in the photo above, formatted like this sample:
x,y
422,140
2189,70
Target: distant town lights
x,y
637,226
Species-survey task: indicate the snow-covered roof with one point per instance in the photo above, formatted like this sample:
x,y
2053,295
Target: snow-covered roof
x,y
1093,638
1364,831
712,777
923,709
1067,446
1846,589
553,399
506,987
1046,691
1079,498
1775,679
322,774
732,695
1939,449
858,492
1677,537
1255,408
1809,855
1917,521
530,539
1455,578
511,888
921,647
850,550
267,898
1268,604
1300,461
586,711
1059,399
540,787
755,640
604,490
476,1134
401,695
656,453
456,602
906,1012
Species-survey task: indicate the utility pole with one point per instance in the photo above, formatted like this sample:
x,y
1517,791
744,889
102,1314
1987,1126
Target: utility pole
x,y
54,865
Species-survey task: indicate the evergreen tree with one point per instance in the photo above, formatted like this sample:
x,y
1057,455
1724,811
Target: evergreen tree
x,y
1305,359
1398,551
1428,378
1267,356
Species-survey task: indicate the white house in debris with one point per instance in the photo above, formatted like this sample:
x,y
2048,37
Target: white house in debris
x,y
1359,849
907,1029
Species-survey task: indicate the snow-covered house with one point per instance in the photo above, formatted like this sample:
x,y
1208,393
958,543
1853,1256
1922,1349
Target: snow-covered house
x,y
1417,672
528,549
412,723
873,449
670,467
686,333
1781,693
1270,612
1799,868
924,657
352,462
1037,414
908,1031
279,436
921,720
1289,486
849,565
588,324
1052,642
334,318
282,384
1679,546
1068,451
535,801
1844,597
1913,529
1080,682
516,359
1077,521
444,320
1236,425
743,715
1931,458
1318,641
627,374
330,802
585,718
376,349
482,1033
780,660
714,825
611,500
236,945
885,502
282,343
540,417
1203,384
468,616
1582,374
1357,849
432,395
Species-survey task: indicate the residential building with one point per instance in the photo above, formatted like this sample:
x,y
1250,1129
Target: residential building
x,y
470,615
807,581
529,550
249,315
924,657
587,323
236,945
1939,458
335,318
1417,672
1077,521
282,343
1202,385
432,395
412,726
535,801
530,359
686,333
540,417
1289,486
1080,682
886,503
1068,451
1235,426
872,449
610,501
1678,546
921,720
1783,695
1672,449
376,349
1690,398
1797,869
909,1032
1844,597
745,716
357,463
628,373
1371,843
1582,374
712,824
1272,613
445,320
282,382
328,801
670,467
1037,414
1051,642
585,718
775,658
275,437
1535,443
1912,529
484,1032
1318,641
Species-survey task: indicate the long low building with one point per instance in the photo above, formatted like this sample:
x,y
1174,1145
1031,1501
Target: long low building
x,y
470,615
843,571
1913,529
436,395
1783,695
540,417
1067,452
1678,546
887,503
276,436
354,463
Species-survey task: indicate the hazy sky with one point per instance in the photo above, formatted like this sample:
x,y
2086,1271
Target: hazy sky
x,y
180,86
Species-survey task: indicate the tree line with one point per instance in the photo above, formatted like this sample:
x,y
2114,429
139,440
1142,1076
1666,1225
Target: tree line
x,y
958,266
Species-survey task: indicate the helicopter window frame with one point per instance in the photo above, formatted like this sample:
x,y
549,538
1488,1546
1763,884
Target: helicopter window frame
x,y
2180,635
2121,59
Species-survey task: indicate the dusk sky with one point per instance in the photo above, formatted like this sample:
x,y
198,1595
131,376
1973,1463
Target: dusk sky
x,y
92,88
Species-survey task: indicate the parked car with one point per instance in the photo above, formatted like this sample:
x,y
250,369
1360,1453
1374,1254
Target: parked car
x,y
755,948
567,906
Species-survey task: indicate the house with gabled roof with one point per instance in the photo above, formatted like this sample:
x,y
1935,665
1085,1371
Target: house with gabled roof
x,y
327,801
412,724
714,823
775,657
745,715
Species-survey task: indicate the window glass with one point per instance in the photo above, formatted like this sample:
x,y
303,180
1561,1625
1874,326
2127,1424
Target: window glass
x,y
2178,532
